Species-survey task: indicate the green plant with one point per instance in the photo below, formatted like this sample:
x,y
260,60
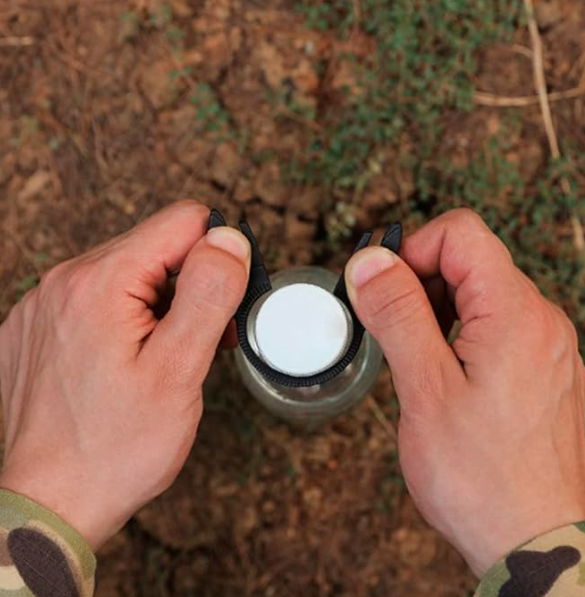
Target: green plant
x,y
161,16
533,220
340,224
423,64
423,67
25,284
210,111
325,15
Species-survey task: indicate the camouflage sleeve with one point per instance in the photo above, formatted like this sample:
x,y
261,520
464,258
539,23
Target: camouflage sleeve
x,y
552,565
40,555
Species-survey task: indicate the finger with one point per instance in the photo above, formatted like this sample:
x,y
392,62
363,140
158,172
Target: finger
x,y
168,236
137,264
460,247
489,292
392,304
209,289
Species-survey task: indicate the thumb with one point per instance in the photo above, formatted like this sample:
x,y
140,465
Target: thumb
x,y
391,303
209,289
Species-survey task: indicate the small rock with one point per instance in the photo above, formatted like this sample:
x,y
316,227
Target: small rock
x,y
235,37
272,65
192,58
493,125
243,191
270,513
181,8
227,490
247,520
312,497
346,77
269,187
203,25
218,10
308,202
227,165
413,546
297,229
7,167
305,78
156,83
217,50
533,159
379,194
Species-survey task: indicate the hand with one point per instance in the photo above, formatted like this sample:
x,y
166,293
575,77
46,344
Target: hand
x,y
491,436
101,400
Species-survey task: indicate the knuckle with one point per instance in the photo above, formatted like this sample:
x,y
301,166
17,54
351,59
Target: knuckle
x,y
466,217
568,330
54,277
74,288
548,331
188,208
572,334
471,225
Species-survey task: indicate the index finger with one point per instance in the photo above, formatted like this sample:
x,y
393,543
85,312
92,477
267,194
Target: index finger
x,y
461,248
137,264
491,295
125,278
168,235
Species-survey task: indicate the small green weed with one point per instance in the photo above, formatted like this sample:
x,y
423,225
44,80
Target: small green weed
x,y
210,112
341,223
25,284
527,218
424,62
162,16
423,67
338,14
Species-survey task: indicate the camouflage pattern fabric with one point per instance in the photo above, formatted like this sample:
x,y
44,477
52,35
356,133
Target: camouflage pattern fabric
x,y
552,565
40,555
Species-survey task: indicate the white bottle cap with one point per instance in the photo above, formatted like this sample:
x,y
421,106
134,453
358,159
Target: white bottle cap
x,y
302,330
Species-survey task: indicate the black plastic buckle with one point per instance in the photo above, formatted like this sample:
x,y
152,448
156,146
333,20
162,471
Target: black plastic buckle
x,y
259,284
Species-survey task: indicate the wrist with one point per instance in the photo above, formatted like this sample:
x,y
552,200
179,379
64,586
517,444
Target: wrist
x,y
85,513
514,531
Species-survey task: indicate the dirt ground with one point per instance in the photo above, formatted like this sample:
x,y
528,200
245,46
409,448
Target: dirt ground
x,y
97,132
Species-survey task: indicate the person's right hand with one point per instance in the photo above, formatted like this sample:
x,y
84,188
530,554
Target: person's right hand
x,y
492,434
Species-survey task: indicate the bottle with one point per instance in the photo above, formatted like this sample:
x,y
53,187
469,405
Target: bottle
x,y
307,407
303,353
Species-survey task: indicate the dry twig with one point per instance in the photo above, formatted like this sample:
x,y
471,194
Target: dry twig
x,y
540,80
381,418
497,101
540,83
17,41
520,49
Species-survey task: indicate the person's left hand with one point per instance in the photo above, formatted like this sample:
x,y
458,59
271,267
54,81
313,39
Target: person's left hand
x,y
101,399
